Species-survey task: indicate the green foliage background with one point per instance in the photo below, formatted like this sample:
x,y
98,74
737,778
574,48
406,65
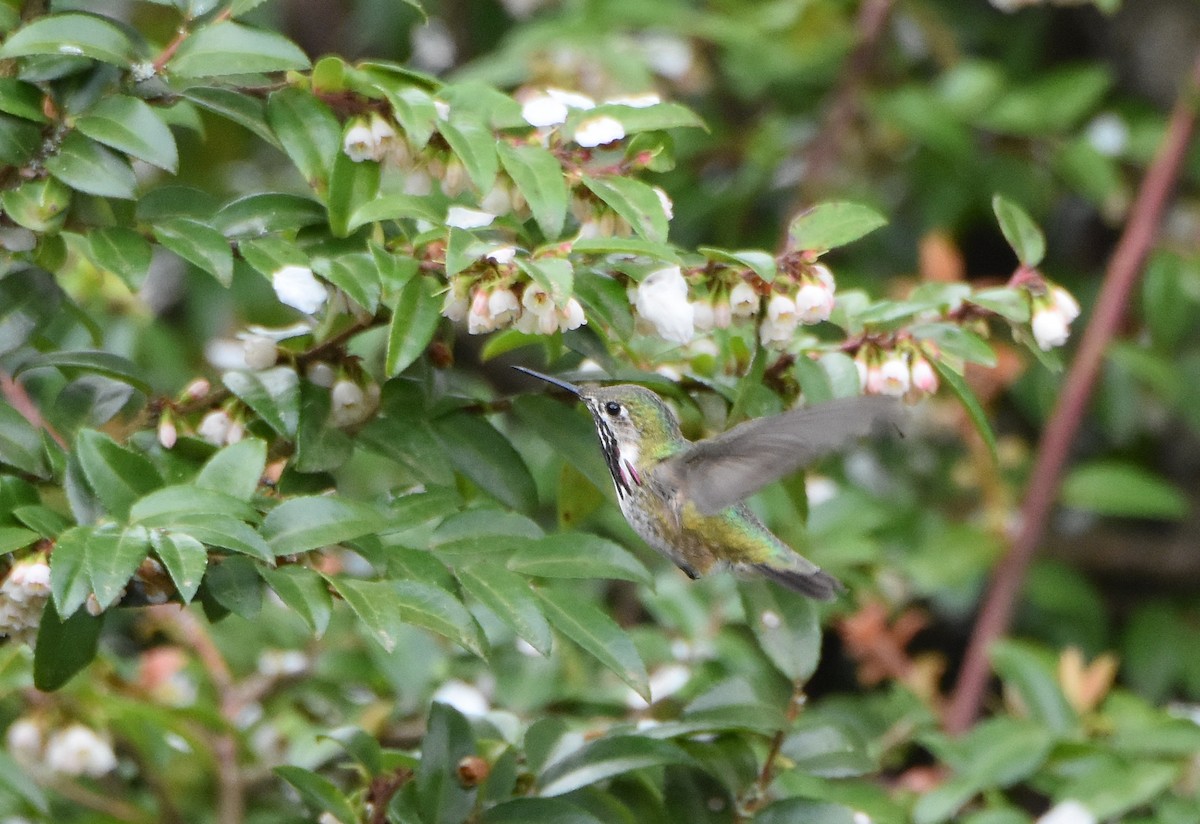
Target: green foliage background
x,y
432,610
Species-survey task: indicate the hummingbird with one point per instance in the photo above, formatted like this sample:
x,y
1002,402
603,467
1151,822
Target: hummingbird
x,y
687,499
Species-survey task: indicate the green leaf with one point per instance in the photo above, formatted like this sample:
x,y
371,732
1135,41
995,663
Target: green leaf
x,y
64,647
970,403
538,811
1022,234
320,792
164,506
234,583
198,244
121,251
351,187
1010,304
19,141
273,394
117,475
441,797
111,559
305,592
636,119
598,635
1122,490
415,111
758,261
357,275
270,254
539,178
1032,674
476,450
830,225
475,146
507,595
633,200
308,131
185,559
1114,787
410,442
227,48
373,603
578,555
394,207
300,524
555,275
129,125
431,607
95,362
223,532
606,757
955,341
20,443
21,99
236,469
85,165
71,34
786,628
415,318
13,538
69,583
254,215
570,433
246,111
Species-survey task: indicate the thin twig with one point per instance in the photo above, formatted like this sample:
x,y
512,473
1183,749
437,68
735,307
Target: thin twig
x,y
19,400
183,34
758,792
1123,270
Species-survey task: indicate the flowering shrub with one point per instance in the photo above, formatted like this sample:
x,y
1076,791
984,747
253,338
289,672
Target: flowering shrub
x,y
281,538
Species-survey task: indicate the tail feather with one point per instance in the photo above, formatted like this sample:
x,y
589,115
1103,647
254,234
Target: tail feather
x,y
816,584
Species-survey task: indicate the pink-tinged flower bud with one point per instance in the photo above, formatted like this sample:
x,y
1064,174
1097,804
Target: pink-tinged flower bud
x,y
662,299
197,389
571,316
824,277
1065,302
703,315
479,318
814,302
894,376
167,433
1050,327
924,376
503,307
743,300
599,131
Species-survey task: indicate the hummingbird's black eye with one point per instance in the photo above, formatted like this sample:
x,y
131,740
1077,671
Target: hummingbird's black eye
x,y
613,408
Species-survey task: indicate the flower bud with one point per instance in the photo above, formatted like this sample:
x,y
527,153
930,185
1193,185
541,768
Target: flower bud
x,y
167,433
743,300
894,375
1050,327
662,301
296,286
571,316
924,377
503,306
259,351
319,373
814,302
214,427
479,317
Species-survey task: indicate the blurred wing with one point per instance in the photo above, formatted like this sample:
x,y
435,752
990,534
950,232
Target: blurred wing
x,y
721,471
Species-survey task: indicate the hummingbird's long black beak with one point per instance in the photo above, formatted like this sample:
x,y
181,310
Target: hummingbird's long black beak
x,y
570,387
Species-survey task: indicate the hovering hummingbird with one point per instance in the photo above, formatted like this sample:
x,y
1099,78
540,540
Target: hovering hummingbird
x,y
685,499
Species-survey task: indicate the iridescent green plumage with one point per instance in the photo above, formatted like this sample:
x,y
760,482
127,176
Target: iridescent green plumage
x,y
685,498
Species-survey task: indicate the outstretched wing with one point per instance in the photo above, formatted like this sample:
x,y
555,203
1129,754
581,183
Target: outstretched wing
x,y
721,471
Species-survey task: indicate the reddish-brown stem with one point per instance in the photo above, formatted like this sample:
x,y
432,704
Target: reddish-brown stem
x,y
19,400
183,34
1119,280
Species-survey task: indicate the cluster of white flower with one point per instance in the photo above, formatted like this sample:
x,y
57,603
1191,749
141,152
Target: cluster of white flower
x,y
896,372
812,303
74,750
369,138
1052,317
220,429
488,309
550,108
22,597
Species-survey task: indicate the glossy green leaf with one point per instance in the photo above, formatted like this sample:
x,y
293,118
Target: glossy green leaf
x,y
475,146
351,187
759,262
21,99
1032,673
414,111
91,361
1022,234
830,225
223,532
373,603
970,403
507,595
539,178
19,141
955,341
85,165
235,469
121,251
586,625
569,432
1122,490
20,444
112,558
578,555
227,48
441,797
356,275
117,475
198,244
184,558
257,214
477,451
1010,304
64,647
633,200
270,254
84,35
234,584
607,757
273,394
431,607
411,443
13,538
786,627
300,524
538,811
308,131
1112,788
394,207
415,318
305,592
555,275
243,109
69,584
129,125
38,205
163,506
320,792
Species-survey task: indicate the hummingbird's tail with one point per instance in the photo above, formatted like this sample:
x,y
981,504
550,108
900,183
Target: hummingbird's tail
x,y
816,584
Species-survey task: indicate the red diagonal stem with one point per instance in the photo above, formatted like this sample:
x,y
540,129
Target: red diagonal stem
x,y
1119,280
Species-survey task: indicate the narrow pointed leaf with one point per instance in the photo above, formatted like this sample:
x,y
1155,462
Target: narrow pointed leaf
x,y
372,602
1022,234
273,394
508,595
441,797
598,635
71,34
69,584
305,592
606,757
64,646
633,200
320,792
163,506
475,146
308,130
185,559
414,320
117,475
129,125
431,607
84,164
96,362
121,251
786,628
352,185
970,403
485,456
301,524
223,532
539,178
578,555
830,225
111,559
231,48
199,244
236,469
